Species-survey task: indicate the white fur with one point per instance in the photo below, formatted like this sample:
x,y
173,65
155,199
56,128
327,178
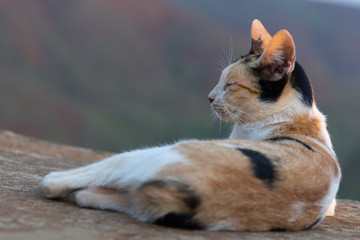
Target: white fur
x,y
224,225
297,210
227,145
264,128
108,201
255,130
324,133
331,210
327,201
119,171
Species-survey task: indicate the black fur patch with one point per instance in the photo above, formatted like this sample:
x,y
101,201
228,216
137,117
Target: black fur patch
x,y
314,224
262,165
271,90
278,229
187,195
256,46
281,138
301,83
179,221
192,201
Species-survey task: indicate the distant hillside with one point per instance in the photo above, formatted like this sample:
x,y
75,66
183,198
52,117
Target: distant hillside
x,y
114,75
108,69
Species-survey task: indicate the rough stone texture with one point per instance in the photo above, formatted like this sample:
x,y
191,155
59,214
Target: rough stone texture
x,y
26,214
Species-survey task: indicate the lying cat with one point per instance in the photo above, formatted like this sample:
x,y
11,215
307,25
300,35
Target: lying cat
x,y
277,171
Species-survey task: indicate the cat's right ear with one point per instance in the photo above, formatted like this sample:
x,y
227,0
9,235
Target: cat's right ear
x,y
278,59
260,38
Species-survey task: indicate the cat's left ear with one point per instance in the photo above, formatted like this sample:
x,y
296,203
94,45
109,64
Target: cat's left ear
x,y
260,38
278,59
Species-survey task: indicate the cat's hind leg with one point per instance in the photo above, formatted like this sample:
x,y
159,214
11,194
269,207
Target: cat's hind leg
x,y
103,198
162,201
126,170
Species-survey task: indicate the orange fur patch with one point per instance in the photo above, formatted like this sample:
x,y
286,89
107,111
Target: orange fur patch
x,y
232,193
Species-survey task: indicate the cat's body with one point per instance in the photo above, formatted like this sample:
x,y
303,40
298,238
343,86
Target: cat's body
x,y
276,172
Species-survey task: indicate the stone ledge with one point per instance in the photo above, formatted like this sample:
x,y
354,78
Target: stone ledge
x,y
26,214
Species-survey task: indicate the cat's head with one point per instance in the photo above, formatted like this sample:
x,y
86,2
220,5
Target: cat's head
x,y
263,82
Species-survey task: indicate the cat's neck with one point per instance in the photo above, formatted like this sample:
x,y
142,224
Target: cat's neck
x,y
307,122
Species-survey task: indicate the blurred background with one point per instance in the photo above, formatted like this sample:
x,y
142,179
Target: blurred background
x,y
114,75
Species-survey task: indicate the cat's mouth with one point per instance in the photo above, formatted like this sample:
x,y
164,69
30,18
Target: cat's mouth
x,y
225,112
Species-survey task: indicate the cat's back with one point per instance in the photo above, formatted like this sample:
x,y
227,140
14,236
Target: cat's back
x,y
261,184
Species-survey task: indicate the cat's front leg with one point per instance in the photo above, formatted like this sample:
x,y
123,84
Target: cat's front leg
x,y
126,170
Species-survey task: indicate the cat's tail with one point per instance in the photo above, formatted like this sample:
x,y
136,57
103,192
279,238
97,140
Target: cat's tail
x,y
167,202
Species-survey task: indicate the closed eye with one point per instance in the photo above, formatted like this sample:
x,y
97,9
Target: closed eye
x,y
248,88
229,85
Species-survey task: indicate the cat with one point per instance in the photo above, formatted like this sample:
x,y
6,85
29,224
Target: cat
x,y
277,171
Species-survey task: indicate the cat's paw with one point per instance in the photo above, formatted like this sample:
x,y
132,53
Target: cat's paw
x,y
52,186
331,210
84,198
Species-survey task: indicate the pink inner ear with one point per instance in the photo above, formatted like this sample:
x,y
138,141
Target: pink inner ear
x,y
281,47
291,65
280,69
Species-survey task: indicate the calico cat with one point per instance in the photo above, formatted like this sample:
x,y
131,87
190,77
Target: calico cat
x,y
277,171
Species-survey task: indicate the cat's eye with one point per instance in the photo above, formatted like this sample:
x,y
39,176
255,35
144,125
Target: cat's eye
x,y
227,85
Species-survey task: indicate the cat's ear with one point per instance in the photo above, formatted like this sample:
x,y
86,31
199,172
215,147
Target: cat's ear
x,y
278,59
260,38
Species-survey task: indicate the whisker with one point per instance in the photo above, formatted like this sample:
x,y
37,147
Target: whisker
x,y
214,117
247,114
226,107
233,117
230,52
219,70
226,56
219,66
222,59
220,123
221,62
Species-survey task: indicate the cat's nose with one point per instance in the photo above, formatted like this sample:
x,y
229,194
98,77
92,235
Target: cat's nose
x,y
211,98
